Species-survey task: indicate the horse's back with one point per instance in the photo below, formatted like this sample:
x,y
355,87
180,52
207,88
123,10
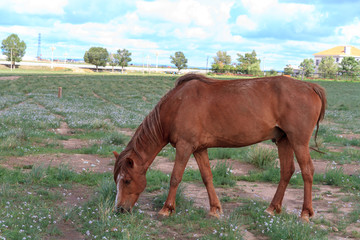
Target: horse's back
x,y
241,112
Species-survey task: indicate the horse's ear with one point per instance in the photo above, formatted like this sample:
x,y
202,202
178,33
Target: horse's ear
x,y
116,154
130,162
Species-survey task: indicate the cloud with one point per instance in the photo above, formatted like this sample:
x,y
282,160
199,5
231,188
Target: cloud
x,y
349,34
41,7
184,12
271,18
243,21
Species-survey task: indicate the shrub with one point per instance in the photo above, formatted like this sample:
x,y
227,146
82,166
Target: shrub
x,y
262,157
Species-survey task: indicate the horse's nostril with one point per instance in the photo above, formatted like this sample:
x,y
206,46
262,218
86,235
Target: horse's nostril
x,y
121,210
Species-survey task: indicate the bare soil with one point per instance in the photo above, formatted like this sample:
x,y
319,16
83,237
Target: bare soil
x,y
328,201
10,78
76,162
349,136
74,143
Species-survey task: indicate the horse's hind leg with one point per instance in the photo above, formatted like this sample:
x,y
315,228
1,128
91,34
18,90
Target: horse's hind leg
x,y
302,154
287,168
183,152
202,160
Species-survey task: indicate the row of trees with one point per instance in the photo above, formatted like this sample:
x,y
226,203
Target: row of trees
x,y
14,49
247,63
328,68
99,56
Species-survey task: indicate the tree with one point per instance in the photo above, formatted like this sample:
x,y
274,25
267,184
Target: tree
x,y
328,67
288,70
349,66
13,49
123,57
222,57
179,60
222,62
97,56
113,61
272,72
308,67
249,64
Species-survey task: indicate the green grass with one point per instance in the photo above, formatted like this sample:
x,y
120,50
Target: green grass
x,y
192,222
262,157
95,106
283,226
156,180
29,199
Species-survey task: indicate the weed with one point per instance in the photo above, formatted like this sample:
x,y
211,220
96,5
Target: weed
x,y
262,157
222,175
115,139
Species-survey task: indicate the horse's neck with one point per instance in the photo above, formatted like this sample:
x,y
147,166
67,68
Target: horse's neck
x,y
149,153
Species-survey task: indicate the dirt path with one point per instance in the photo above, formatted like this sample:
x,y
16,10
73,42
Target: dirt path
x,y
10,78
241,168
76,162
76,196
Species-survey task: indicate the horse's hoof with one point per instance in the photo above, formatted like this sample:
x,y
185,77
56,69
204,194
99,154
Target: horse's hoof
x,y
164,213
305,218
269,211
216,214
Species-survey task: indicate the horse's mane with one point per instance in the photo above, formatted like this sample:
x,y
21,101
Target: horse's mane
x,y
150,130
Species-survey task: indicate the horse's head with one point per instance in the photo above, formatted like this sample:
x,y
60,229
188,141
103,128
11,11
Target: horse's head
x,y
130,180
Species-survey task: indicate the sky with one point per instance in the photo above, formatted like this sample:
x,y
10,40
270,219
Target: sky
x,y
281,32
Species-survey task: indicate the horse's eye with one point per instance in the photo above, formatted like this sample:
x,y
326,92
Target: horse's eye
x,y
127,182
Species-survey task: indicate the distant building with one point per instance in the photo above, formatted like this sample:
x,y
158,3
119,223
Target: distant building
x,y
338,53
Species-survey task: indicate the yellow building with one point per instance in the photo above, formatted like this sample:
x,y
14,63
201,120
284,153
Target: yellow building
x,y
338,53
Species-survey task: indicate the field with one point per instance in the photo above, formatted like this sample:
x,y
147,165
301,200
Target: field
x,y
56,167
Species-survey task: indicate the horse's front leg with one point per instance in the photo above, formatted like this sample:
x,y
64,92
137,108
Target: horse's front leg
x,y
183,152
202,159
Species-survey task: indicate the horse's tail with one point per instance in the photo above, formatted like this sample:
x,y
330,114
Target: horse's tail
x,y
320,91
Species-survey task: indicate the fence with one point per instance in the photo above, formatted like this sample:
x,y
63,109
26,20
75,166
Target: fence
x,y
341,76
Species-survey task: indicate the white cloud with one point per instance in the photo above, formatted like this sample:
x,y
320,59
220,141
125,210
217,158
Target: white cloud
x,y
349,34
245,22
262,12
40,7
181,12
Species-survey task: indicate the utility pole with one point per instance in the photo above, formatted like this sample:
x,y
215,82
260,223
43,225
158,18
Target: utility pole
x,y
52,56
207,62
157,60
143,63
147,63
11,59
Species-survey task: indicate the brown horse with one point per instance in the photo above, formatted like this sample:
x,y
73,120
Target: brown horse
x,y
200,113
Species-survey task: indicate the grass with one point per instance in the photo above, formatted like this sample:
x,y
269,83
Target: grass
x,y
283,226
262,157
27,200
95,106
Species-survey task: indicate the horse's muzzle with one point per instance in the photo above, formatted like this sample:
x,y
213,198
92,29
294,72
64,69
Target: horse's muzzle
x,y
122,210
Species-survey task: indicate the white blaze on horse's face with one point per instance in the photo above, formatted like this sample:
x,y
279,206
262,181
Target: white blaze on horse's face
x,y
118,190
